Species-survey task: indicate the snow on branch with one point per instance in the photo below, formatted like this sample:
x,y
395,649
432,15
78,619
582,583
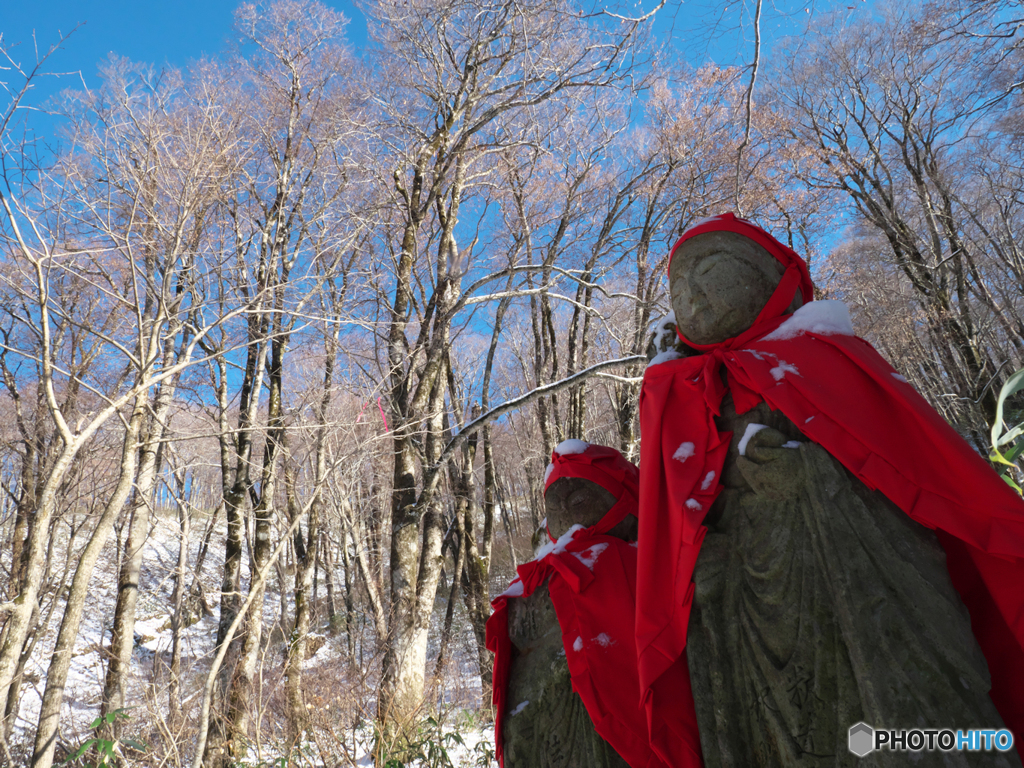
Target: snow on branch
x,y
433,475
532,292
468,295
622,379
634,19
529,397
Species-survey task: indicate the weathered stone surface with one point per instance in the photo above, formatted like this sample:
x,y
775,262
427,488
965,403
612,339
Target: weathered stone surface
x,y
575,501
719,282
551,727
817,602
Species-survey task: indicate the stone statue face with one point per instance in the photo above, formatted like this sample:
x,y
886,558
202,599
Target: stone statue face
x,y
572,500
719,282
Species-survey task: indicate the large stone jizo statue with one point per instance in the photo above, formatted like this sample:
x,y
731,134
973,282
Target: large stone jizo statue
x,y
816,602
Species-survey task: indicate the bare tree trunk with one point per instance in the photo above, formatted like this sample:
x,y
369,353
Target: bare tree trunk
x,y
504,506
401,691
184,522
14,699
401,685
415,571
236,495
350,613
327,555
60,661
306,556
476,584
366,572
241,696
19,623
453,597
305,563
474,573
281,566
123,632
25,507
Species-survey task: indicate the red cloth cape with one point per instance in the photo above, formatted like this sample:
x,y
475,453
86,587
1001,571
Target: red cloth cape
x,y
844,396
592,582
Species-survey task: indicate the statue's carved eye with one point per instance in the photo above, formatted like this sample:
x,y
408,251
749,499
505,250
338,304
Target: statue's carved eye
x,y
709,262
577,499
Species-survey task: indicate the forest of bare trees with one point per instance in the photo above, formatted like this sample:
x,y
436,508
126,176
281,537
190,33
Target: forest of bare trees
x,y
287,335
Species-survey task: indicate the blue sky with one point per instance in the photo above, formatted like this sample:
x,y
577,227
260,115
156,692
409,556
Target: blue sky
x,y
144,31
175,33
157,33
161,33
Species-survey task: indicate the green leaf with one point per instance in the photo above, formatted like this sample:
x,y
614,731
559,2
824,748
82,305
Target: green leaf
x,y
1015,451
997,458
1012,435
1013,385
81,751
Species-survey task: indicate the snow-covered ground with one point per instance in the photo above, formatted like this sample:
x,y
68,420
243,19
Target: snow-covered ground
x,y
340,691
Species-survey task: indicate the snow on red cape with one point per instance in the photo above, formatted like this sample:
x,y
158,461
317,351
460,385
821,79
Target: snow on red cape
x,y
825,318
846,397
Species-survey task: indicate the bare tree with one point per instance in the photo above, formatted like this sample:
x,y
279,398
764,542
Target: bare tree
x,y
285,216
67,232
460,72
901,117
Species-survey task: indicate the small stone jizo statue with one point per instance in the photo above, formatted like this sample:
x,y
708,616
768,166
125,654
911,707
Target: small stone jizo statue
x,y
565,677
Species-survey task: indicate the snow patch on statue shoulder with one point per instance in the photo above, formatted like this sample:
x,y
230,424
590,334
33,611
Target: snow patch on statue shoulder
x,y
825,318
664,328
515,589
570,447
664,357
589,556
519,708
752,429
554,547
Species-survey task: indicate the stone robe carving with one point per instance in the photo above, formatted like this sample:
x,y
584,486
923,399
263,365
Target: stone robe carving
x,y
817,602
554,729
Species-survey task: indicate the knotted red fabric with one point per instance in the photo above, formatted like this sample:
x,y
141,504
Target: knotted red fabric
x,y
591,578
844,396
